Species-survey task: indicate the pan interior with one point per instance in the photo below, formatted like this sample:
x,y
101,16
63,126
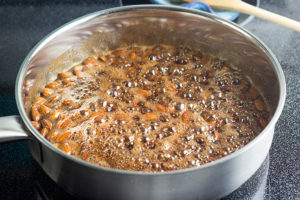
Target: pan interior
x,y
92,35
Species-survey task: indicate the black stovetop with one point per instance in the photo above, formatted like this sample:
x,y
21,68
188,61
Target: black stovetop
x,y
24,23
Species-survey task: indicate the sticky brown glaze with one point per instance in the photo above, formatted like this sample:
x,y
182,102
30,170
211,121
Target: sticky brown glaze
x,y
150,108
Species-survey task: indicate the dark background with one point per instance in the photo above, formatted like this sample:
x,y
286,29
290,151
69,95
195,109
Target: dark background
x,y
24,23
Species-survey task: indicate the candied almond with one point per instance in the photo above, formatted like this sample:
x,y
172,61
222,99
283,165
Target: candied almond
x,y
64,75
171,89
143,92
259,105
55,98
54,115
56,145
150,116
84,154
132,55
185,116
57,123
47,92
66,81
47,124
121,116
130,69
63,136
118,52
79,146
36,116
104,163
134,104
66,147
39,101
213,122
76,70
145,59
60,90
50,105
71,84
90,60
85,68
98,114
161,108
44,110
211,158
67,101
111,56
65,123
58,107
52,134
76,106
53,85
36,125
102,58
98,118
217,135
44,132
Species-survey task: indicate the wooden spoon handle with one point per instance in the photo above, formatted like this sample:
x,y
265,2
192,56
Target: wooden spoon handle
x,y
264,14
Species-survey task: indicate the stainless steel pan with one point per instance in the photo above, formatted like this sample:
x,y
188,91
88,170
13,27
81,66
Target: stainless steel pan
x,y
117,27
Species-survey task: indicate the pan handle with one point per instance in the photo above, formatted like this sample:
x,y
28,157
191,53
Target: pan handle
x,y
12,129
